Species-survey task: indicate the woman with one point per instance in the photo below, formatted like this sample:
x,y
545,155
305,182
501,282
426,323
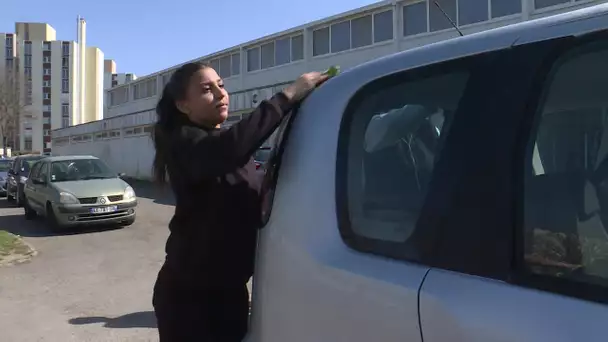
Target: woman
x,y
201,292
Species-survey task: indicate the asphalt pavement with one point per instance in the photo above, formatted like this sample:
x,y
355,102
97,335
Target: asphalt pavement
x,y
85,285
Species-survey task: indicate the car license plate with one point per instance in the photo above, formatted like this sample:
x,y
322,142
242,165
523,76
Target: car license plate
x,y
103,210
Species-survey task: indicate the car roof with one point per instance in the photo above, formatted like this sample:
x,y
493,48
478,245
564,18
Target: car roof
x,y
64,158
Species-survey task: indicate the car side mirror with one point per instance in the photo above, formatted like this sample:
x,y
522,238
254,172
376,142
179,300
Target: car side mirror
x,y
121,175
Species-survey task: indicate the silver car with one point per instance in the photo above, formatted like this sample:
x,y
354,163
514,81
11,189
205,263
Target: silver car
x,y
78,190
455,192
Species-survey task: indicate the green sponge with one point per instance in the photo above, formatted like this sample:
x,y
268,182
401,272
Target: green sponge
x,y
333,70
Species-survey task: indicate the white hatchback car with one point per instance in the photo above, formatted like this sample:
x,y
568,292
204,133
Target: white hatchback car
x,y
453,192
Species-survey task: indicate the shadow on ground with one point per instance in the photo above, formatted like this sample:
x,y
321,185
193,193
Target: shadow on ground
x,y
160,194
143,319
18,225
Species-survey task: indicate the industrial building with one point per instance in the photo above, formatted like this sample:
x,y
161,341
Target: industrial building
x,y
257,69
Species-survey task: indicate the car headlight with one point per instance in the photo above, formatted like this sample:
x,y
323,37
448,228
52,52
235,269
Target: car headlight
x,y
22,179
129,194
67,198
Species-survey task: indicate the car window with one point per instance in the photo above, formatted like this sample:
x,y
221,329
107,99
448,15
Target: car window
x,y
35,171
43,171
566,178
390,140
5,165
80,169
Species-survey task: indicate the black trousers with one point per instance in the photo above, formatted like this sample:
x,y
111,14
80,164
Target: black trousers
x,y
185,312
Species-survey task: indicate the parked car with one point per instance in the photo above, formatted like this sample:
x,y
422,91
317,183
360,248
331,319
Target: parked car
x,y
462,195
5,165
17,176
78,190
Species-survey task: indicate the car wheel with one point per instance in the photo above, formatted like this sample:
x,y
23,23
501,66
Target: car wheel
x,y
51,219
30,213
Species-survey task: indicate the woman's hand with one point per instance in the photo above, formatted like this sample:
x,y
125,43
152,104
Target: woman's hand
x,y
304,85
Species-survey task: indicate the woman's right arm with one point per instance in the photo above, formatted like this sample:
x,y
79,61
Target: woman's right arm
x,y
215,153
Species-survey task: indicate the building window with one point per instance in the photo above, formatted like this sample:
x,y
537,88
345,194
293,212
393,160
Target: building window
x,y
144,89
354,33
46,46
438,20
65,109
46,120
388,158
320,41
267,55
340,36
46,71
297,47
253,59
46,96
65,48
46,83
46,59
28,144
65,73
383,26
469,12
65,62
119,96
236,63
65,86
27,60
362,31
46,108
225,67
282,51
27,48
65,122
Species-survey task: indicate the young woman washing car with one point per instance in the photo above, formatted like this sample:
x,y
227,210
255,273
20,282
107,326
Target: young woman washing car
x,y
201,293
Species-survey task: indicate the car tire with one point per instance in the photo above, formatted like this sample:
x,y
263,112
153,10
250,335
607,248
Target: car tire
x,y
51,219
30,213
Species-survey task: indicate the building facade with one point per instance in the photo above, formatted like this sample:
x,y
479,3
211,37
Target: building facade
x,y
56,89
255,70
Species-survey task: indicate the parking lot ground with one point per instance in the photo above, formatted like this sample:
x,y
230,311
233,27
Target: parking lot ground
x,y
88,285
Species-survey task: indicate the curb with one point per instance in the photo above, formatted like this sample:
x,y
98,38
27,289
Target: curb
x,y
16,259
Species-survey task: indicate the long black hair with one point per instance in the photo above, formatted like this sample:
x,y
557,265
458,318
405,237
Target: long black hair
x,y
168,116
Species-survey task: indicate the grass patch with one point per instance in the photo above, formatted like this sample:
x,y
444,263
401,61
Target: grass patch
x,y
11,244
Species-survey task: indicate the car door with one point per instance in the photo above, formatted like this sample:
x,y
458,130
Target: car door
x,y
31,188
42,185
527,242
345,245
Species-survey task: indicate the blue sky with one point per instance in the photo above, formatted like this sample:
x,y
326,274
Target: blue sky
x,y
146,36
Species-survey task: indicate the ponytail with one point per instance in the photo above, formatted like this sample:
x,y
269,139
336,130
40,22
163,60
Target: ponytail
x,y
167,112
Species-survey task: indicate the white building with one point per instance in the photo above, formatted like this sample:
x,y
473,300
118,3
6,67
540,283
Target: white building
x,y
60,82
257,69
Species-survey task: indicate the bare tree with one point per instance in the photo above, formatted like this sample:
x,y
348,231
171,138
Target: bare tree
x,y
11,105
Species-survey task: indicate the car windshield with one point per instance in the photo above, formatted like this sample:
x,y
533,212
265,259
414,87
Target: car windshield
x,y
262,155
80,169
5,165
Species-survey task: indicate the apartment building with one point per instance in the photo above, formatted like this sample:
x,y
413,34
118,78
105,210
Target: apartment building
x,y
60,82
255,70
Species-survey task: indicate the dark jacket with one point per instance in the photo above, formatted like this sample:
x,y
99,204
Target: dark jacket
x,y
217,191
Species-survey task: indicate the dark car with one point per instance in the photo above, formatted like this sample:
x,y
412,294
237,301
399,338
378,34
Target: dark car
x,y
17,176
